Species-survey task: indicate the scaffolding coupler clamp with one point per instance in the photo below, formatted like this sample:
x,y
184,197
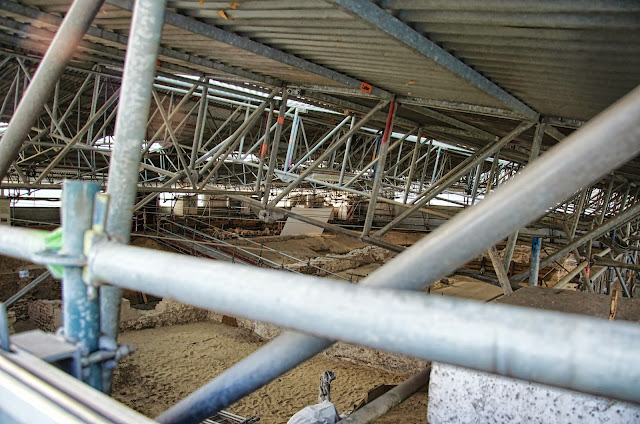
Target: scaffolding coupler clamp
x,y
110,353
54,257
93,236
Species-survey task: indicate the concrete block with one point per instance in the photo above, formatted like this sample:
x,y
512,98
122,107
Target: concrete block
x,y
459,395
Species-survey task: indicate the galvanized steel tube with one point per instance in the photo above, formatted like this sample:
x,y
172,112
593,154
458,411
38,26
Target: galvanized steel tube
x,y
21,243
80,315
563,282
380,406
541,346
133,110
536,244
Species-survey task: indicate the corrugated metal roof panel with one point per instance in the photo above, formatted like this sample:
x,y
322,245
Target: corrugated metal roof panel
x,y
564,58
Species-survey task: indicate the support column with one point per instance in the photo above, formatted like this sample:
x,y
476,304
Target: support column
x,y
501,273
81,315
412,167
200,125
265,146
346,153
274,148
137,83
536,244
535,151
382,157
292,140
476,182
426,165
492,173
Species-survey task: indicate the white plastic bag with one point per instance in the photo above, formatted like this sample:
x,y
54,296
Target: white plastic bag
x,y
321,413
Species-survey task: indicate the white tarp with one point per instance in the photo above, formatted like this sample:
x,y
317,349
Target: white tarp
x,y
293,227
320,413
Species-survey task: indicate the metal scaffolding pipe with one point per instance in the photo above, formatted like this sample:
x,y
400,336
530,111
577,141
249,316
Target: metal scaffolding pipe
x,y
541,185
542,346
80,314
275,144
133,111
60,51
380,406
26,289
377,179
21,243
536,243
563,282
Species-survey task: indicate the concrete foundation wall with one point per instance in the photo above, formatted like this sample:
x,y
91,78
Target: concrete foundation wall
x,y
459,395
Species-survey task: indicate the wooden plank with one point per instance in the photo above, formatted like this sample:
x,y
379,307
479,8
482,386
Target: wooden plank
x,y
500,271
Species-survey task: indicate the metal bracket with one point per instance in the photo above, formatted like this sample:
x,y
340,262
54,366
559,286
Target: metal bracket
x,y
94,235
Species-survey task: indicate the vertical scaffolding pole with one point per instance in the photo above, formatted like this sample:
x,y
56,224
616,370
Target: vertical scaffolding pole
x,y
426,166
513,238
412,167
81,315
435,166
137,83
578,212
200,125
265,146
382,157
346,153
274,146
536,244
62,48
476,182
492,173
292,140
606,200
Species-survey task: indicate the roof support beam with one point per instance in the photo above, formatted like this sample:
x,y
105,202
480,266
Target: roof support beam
x,y
214,33
391,25
51,19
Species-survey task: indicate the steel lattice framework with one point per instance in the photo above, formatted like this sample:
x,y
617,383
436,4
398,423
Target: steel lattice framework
x,y
511,106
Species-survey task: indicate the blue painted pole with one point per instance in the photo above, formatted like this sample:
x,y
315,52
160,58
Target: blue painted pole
x,y
81,315
536,244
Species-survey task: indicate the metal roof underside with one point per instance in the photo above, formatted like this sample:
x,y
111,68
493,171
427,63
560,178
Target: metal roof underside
x,y
568,59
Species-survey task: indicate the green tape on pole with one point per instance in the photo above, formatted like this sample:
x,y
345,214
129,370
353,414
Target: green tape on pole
x,y
53,241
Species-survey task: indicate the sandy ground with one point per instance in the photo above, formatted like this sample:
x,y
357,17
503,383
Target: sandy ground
x,y
171,362
467,288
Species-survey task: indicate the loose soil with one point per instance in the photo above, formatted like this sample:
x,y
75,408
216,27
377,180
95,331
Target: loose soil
x,y
171,362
